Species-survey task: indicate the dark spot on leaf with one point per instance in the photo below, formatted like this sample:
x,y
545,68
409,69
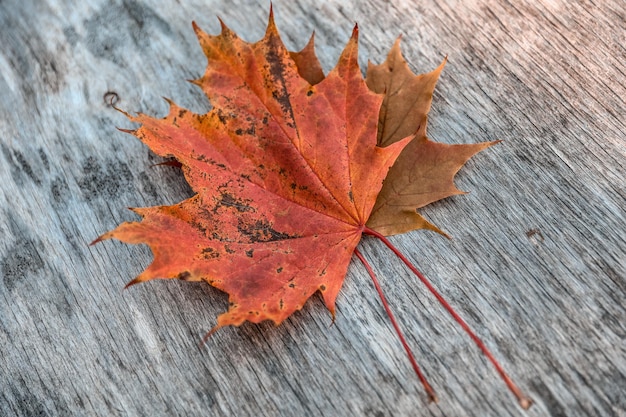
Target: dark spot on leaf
x,y
210,253
249,253
261,231
184,276
322,287
281,303
221,116
277,69
228,249
350,196
228,200
239,132
279,270
309,93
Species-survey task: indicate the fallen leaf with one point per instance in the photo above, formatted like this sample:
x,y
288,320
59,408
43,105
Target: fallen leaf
x,y
285,174
425,170
286,171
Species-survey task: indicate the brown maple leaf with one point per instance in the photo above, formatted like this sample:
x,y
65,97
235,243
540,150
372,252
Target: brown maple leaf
x,y
425,170
285,175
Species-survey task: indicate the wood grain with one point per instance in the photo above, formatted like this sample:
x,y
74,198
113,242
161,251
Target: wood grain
x,y
537,264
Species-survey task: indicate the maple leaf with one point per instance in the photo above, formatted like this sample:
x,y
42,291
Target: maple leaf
x,y
286,171
425,170
285,175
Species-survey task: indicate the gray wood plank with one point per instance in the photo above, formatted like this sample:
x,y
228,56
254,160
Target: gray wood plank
x,y
537,265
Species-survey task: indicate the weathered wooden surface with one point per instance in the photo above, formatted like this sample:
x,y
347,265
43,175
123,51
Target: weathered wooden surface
x,y
537,265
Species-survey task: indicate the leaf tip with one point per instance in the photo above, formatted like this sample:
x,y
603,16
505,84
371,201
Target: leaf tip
x,y
271,24
208,335
204,38
223,27
137,210
395,57
133,282
429,226
196,81
310,45
396,45
438,70
355,32
99,239
169,163
131,131
196,28
170,103
349,55
333,315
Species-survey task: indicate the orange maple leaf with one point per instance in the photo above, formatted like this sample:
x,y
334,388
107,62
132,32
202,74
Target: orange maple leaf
x,y
285,174
425,170
286,171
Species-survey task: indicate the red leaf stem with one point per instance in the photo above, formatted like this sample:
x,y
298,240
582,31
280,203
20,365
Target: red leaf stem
x,y
429,389
524,401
